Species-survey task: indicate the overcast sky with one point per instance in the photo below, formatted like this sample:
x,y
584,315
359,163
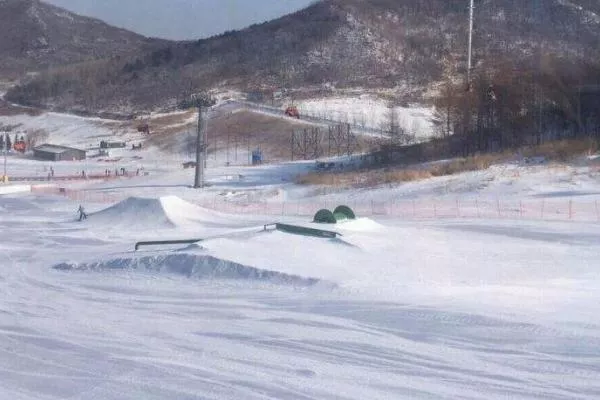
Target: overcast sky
x,y
182,19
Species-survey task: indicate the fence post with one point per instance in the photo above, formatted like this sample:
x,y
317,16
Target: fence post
x,y
570,210
372,207
414,209
477,207
458,208
499,210
543,204
521,208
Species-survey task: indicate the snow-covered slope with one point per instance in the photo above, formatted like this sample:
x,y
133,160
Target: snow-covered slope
x,y
465,306
369,112
66,129
406,310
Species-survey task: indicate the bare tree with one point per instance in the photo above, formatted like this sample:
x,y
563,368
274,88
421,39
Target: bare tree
x,y
35,137
391,124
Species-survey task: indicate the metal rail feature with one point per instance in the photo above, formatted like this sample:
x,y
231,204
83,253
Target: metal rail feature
x,y
163,242
293,229
303,230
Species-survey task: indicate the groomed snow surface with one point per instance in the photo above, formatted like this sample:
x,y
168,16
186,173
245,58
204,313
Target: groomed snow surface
x,y
391,309
454,308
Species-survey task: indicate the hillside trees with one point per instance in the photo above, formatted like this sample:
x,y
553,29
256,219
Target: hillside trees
x,y
512,105
36,137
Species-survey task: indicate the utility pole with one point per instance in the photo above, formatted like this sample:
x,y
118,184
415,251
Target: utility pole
x,y
228,161
470,50
538,90
5,150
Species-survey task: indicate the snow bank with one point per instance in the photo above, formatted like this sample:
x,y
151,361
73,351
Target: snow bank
x,y
360,225
8,189
193,266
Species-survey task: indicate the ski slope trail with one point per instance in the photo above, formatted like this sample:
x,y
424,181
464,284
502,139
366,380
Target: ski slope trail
x,y
391,310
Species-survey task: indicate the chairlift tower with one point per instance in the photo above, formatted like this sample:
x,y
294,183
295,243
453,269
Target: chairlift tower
x,y
202,102
5,151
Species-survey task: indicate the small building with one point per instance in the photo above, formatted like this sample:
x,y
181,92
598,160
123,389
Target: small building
x,y
257,157
51,152
256,96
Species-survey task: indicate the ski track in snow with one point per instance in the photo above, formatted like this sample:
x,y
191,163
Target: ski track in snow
x,y
394,309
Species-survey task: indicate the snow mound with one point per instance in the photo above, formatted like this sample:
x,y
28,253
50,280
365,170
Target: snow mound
x,y
360,225
193,266
135,213
163,212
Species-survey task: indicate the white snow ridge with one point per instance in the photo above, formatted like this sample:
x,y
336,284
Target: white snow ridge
x,y
135,212
153,213
192,266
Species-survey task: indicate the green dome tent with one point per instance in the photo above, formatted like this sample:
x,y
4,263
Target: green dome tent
x,y
342,213
324,216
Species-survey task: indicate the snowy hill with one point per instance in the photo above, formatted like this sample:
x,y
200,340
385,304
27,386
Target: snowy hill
x,y
35,35
472,285
406,45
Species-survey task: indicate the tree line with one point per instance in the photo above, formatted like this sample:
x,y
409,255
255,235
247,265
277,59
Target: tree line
x,y
509,105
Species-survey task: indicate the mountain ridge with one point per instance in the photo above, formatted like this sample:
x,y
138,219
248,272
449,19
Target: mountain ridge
x,y
409,45
35,35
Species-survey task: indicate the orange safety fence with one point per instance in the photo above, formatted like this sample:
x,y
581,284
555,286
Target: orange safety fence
x,y
559,209
530,209
73,177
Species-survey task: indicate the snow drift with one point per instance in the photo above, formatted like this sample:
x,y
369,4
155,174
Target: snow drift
x,y
197,266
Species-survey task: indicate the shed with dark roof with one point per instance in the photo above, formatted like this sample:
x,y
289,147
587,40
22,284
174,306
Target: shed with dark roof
x,y
52,152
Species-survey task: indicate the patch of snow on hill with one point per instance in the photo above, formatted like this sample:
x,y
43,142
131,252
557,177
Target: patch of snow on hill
x,y
369,112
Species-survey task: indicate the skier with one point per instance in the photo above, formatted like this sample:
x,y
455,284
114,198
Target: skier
x,y
82,213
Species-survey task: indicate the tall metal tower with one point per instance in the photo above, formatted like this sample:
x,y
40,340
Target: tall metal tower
x,y
4,150
470,50
202,102
538,23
